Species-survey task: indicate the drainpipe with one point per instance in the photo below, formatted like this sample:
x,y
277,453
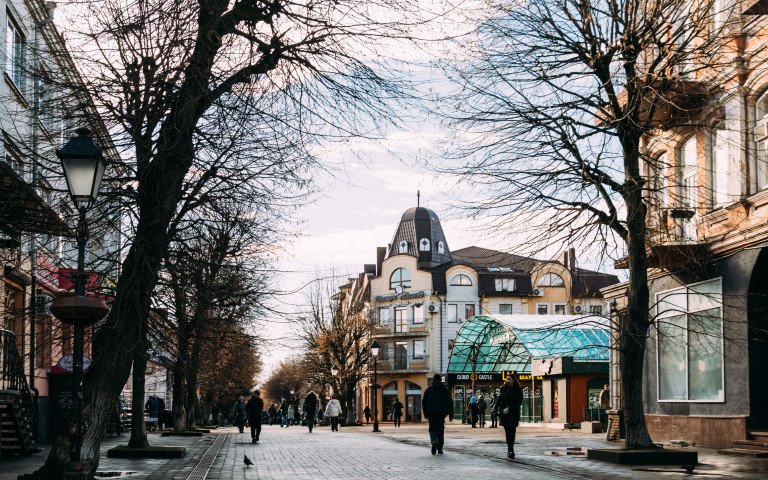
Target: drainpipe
x,y
442,305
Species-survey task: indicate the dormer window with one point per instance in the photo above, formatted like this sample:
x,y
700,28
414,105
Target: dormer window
x,y
424,245
440,247
461,280
402,247
551,280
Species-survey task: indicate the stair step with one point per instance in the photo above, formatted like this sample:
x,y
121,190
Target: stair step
x,y
745,452
758,435
752,444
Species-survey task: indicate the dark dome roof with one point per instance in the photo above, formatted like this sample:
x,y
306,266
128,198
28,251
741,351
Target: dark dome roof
x,y
423,235
419,213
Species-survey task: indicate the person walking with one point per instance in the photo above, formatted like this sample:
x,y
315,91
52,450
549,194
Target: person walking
x,y
283,413
333,410
367,414
290,414
508,406
494,412
240,414
310,409
397,411
272,412
473,411
436,405
481,408
254,408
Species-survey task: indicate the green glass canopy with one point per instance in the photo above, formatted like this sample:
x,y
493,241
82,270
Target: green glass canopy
x,y
509,342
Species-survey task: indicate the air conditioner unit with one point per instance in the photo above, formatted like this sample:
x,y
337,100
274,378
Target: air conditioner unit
x,y
432,308
578,308
538,292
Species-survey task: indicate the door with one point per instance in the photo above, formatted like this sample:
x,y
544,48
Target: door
x,y
758,343
412,402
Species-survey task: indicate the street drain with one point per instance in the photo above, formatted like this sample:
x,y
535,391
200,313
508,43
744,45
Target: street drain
x,y
112,474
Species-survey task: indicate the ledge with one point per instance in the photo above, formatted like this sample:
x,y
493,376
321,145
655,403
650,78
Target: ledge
x,y
123,451
644,457
186,433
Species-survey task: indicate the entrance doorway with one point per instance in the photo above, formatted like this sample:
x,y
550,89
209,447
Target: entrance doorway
x,y
388,396
757,311
412,402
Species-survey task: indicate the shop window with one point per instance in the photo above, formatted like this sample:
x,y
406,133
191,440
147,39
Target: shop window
x,y
461,280
400,277
551,280
401,320
690,343
384,316
559,309
453,313
418,314
542,309
418,349
505,284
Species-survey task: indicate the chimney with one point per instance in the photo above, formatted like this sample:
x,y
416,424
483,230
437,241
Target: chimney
x,y
381,252
369,268
572,259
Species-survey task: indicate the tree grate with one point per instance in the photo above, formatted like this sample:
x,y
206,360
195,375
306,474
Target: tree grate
x,y
200,472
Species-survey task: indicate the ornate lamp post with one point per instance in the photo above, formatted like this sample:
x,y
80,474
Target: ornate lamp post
x,y
83,165
375,386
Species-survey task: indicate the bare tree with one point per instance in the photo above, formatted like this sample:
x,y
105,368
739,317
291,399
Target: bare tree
x,y
557,98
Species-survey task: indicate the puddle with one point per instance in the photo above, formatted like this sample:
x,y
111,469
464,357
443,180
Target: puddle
x,y
112,474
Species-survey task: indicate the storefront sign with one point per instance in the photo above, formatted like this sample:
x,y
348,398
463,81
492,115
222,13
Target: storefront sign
x,y
401,296
65,364
454,378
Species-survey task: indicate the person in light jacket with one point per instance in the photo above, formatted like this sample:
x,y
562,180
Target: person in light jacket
x,y
333,410
240,414
289,416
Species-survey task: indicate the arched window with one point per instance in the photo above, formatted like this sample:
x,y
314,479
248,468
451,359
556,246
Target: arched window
x,y
402,247
688,183
424,245
461,280
440,247
551,280
400,277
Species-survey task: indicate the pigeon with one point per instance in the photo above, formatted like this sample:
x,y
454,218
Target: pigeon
x,y
247,461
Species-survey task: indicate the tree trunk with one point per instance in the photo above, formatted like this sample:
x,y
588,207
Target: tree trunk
x,y
179,397
634,323
138,426
350,400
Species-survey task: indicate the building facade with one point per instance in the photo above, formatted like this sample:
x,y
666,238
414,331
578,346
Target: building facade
x,y
423,292
38,112
708,252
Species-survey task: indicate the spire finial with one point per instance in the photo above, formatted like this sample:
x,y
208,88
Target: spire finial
x,y
418,198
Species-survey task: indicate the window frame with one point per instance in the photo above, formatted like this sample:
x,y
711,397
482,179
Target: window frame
x,y
542,304
592,309
564,308
455,307
460,281
466,311
502,284
382,323
401,320
549,275
405,283
418,319
15,52
423,350
511,308
686,288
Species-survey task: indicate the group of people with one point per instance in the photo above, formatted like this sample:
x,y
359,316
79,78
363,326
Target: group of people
x,y
436,406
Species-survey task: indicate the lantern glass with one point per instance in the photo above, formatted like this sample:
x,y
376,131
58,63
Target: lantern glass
x,y
83,166
334,370
375,348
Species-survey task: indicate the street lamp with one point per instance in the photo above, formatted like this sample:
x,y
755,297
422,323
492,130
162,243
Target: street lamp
x,y
334,370
375,355
83,165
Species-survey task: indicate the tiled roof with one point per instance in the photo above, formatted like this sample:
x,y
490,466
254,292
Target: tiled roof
x,y
479,257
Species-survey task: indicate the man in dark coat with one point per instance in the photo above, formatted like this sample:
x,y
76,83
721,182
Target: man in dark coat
x,y
508,407
310,409
253,408
283,413
436,404
494,412
397,411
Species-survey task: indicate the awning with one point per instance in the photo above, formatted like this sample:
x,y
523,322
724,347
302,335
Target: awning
x,y
508,342
23,210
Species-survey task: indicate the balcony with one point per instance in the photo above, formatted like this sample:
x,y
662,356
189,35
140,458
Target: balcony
x,y
675,242
404,365
418,330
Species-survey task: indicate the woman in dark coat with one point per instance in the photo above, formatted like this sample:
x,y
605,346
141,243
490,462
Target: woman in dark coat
x,y
310,409
508,408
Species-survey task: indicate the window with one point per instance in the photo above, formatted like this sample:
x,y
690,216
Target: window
x,y
719,166
13,159
400,277
453,313
402,247
418,349
424,245
401,320
595,309
14,53
505,309
505,284
688,182
385,349
761,136
440,247
689,342
542,309
469,311
418,314
384,316
401,355
559,309
461,280
551,280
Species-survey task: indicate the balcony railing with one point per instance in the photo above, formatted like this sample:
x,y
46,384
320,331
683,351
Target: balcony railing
x,y
675,241
403,364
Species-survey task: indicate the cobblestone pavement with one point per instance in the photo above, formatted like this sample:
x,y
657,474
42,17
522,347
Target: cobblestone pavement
x,y
355,452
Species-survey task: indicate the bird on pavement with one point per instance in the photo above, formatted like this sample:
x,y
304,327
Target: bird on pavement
x,y
247,461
